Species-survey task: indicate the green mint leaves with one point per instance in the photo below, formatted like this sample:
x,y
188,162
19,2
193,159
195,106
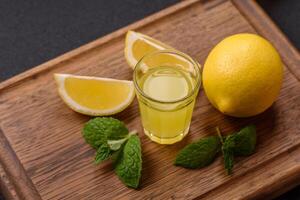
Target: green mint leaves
x,y
203,152
113,141
129,165
199,154
245,141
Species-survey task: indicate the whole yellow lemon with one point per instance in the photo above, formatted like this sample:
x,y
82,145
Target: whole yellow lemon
x,y
242,75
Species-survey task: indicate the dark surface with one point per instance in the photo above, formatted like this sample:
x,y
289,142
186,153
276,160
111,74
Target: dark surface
x,y
33,31
286,14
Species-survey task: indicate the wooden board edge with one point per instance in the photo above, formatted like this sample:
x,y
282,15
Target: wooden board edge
x,y
282,183
6,188
289,181
15,183
87,47
274,185
265,26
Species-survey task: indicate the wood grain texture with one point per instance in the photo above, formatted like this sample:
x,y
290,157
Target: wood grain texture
x,y
45,135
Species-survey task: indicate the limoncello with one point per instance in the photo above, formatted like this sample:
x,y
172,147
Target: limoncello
x,y
167,111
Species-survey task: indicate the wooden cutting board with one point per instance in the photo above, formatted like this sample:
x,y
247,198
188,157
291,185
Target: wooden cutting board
x,y
43,155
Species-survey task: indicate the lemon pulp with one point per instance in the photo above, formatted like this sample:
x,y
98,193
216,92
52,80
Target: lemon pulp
x,y
163,122
96,96
140,48
137,45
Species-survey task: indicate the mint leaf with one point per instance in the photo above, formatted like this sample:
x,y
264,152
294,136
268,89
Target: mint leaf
x,y
98,130
129,165
199,154
228,153
117,129
103,153
245,141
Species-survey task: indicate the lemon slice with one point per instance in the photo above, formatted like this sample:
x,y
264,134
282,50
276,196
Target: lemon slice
x,y
137,45
94,96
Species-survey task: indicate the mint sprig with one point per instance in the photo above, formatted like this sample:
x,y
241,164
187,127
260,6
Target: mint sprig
x,y
203,152
113,141
241,143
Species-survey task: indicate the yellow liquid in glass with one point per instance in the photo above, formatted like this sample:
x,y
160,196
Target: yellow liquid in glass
x,y
166,123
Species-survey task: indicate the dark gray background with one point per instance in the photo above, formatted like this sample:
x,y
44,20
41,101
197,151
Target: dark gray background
x,y
34,31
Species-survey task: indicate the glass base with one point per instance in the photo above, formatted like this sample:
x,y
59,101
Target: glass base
x,y
166,140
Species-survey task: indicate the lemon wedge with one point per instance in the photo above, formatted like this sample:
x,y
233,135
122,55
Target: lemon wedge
x,y
137,45
94,96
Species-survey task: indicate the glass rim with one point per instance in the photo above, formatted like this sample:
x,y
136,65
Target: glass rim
x,y
195,64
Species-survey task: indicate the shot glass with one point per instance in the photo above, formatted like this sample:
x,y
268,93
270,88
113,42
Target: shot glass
x,y
166,83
